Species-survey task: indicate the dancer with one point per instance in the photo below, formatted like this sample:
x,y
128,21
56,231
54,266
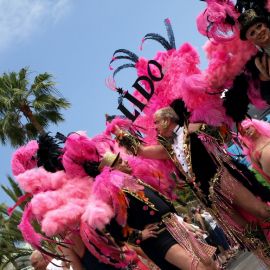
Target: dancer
x,y
58,201
212,175
254,27
147,208
255,135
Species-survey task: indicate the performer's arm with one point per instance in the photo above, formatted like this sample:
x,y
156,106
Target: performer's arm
x,y
153,152
72,252
134,145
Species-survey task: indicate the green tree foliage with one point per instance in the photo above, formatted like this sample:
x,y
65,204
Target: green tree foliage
x,y
26,109
13,250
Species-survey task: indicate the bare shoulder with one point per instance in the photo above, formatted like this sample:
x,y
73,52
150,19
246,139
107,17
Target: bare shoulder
x,y
265,152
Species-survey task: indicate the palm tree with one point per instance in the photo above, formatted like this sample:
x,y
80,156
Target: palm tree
x,y
26,110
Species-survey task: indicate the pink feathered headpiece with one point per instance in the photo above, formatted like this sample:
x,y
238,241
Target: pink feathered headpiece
x,y
78,149
218,21
23,158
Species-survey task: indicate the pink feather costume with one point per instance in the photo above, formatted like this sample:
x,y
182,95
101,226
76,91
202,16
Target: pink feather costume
x,y
61,200
98,211
57,201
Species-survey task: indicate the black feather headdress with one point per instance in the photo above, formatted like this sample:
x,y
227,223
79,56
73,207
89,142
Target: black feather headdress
x,y
236,99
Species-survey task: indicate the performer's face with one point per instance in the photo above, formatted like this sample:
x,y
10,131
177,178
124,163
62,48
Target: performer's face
x,y
259,34
162,125
122,165
249,131
38,261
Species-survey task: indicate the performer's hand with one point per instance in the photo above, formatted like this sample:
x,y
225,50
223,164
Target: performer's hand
x,y
150,231
263,65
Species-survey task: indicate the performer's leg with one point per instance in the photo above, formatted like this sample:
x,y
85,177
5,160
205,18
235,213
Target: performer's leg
x,y
179,257
248,202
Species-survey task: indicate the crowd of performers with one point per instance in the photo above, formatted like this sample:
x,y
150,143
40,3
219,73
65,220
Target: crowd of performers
x,y
108,200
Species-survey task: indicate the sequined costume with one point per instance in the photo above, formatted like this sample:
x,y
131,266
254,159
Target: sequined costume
x,y
147,206
215,177
144,210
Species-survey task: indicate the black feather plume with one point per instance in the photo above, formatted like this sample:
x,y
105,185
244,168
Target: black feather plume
x,y
49,154
170,33
123,67
134,57
168,45
61,137
236,100
122,57
159,39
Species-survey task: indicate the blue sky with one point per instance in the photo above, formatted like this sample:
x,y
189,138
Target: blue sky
x,y
75,40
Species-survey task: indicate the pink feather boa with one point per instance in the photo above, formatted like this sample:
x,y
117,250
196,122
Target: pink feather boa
x,y
22,159
58,201
107,188
39,180
27,230
226,60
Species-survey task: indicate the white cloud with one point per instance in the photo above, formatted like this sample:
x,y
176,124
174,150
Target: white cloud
x,y
60,9
19,19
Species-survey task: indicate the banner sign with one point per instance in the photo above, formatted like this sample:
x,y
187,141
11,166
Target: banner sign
x,y
150,79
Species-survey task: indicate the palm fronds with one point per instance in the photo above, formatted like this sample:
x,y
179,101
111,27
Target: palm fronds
x,y
27,110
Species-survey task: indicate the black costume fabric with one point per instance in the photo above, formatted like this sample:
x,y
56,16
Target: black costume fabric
x,y
263,86
154,248
140,215
90,262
